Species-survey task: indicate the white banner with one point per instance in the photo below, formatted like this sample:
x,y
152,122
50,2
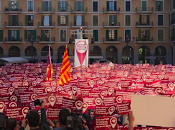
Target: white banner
x,y
81,52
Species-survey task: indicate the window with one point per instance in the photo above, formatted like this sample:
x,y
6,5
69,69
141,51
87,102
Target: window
x,y
127,20
13,35
111,5
62,6
13,4
45,35
30,5
79,6
159,5
46,20
30,35
144,35
63,20
160,20
29,20
95,20
144,20
13,20
144,5
79,20
111,35
95,6
95,35
173,4
112,20
160,35
127,35
62,35
47,6
127,6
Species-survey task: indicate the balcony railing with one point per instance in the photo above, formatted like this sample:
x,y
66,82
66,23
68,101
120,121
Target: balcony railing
x,y
145,39
144,24
148,10
78,10
112,24
12,39
105,10
41,24
46,40
83,24
12,24
10,9
46,10
110,40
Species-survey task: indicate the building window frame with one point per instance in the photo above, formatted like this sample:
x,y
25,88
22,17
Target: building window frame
x,y
130,5
158,34
28,6
125,19
60,37
93,5
93,19
158,19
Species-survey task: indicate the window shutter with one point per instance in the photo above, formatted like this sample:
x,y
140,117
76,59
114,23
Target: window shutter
x,y
9,35
107,5
67,20
25,35
75,19
1,35
59,7
115,35
50,6
161,5
10,21
82,6
58,20
107,35
148,34
50,20
115,19
18,35
144,4
110,20
17,4
139,35
66,4
61,32
34,35
42,3
148,21
26,20
140,19
115,6
10,5
83,23
75,6
42,20
95,35
16,19
42,35
156,6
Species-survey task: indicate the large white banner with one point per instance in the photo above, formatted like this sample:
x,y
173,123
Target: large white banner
x,y
81,56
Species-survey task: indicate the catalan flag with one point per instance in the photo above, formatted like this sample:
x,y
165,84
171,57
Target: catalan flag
x,y
65,69
49,67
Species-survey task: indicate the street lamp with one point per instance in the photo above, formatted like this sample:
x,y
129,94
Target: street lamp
x,y
127,41
32,41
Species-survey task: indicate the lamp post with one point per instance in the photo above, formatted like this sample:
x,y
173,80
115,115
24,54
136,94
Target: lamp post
x,y
127,41
32,41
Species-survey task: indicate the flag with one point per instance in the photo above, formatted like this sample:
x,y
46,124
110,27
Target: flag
x,y
49,67
65,69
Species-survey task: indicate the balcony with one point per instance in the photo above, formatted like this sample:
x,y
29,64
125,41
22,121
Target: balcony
x,y
110,40
144,25
13,10
46,10
47,40
42,25
13,25
78,11
141,11
111,11
13,40
144,40
74,25
111,25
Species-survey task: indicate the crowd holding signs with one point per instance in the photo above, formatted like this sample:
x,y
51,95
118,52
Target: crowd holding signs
x,y
104,88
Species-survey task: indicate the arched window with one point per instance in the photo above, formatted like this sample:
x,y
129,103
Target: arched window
x,y
128,55
45,50
160,53
14,52
143,52
112,54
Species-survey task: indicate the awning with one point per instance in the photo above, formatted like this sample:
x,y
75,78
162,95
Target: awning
x,y
15,60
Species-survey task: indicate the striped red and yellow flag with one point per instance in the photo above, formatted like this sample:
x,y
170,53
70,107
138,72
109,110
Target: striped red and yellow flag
x,y
65,69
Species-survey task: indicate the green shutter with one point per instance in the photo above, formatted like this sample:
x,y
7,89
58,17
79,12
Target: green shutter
x,y
161,5
67,20
58,20
34,35
148,34
26,20
75,17
95,20
95,35
140,17
18,35
107,35
66,3
139,35
156,6
50,20
110,20
17,4
42,35
25,35
115,19
59,7
42,20
144,5
128,33
115,35
10,5
10,22
75,6
50,6
9,35
160,35
1,35
61,32
148,21
83,23
82,6
16,19
42,3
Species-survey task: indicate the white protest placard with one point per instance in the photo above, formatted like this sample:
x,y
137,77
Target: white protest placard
x,y
153,110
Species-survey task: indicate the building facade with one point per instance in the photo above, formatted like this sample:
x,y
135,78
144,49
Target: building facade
x,y
134,31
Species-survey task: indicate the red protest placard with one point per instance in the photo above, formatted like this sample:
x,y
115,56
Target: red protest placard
x,y
104,110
